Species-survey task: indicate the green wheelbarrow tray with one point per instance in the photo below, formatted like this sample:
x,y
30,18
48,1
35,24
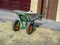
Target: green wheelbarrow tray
x,y
28,19
29,16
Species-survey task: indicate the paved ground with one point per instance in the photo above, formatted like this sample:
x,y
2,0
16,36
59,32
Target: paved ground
x,y
42,36
8,15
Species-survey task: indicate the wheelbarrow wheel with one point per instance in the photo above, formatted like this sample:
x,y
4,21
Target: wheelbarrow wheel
x,y
30,28
16,25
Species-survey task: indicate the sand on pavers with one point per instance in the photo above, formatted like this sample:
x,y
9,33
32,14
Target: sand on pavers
x,y
42,36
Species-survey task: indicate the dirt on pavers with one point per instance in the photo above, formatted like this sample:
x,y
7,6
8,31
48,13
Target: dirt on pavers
x,y
42,36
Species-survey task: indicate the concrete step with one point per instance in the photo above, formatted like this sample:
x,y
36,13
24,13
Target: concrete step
x,y
48,24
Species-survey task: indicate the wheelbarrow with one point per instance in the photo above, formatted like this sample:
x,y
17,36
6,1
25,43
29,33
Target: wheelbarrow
x,y
26,21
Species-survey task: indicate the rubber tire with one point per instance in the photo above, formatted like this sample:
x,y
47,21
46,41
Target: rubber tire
x,y
14,25
27,29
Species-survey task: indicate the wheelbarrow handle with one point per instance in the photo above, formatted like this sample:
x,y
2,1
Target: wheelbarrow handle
x,y
40,16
